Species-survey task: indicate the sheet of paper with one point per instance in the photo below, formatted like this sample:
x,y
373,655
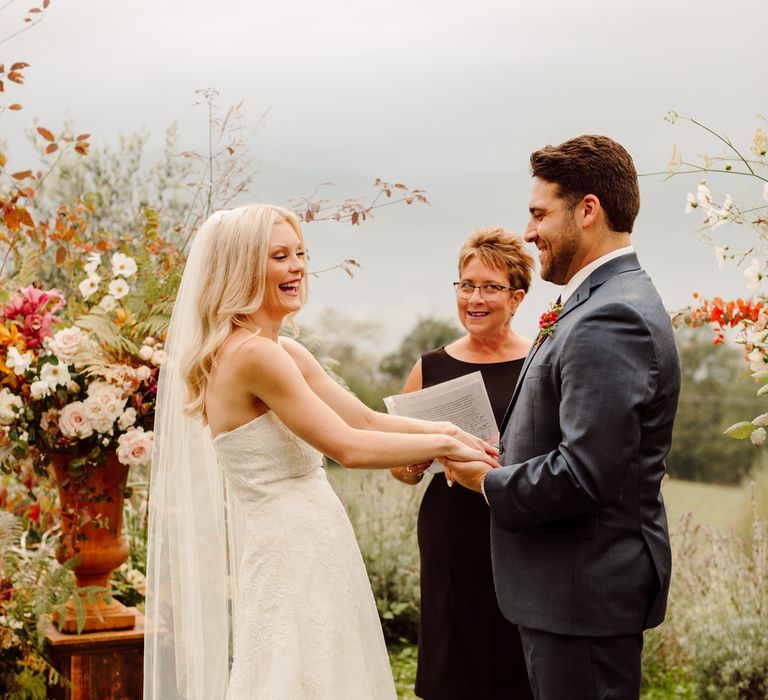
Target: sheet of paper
x,y
462,401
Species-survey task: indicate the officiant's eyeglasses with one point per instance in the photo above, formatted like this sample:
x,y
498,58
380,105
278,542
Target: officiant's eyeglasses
x,y
465,290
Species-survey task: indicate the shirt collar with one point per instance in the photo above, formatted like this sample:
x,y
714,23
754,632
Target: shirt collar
x,y
587,270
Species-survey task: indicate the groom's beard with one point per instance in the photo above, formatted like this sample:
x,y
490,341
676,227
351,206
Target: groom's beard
x,y
557,266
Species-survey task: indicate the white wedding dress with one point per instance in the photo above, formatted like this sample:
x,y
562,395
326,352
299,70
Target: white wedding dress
x,y
306,625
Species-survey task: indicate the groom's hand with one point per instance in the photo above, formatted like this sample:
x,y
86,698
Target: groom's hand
x,y
469,474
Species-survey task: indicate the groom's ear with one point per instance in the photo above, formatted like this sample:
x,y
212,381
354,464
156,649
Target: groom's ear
x,y
589,210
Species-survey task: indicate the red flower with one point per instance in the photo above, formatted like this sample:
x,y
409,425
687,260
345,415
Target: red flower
x,y
548,321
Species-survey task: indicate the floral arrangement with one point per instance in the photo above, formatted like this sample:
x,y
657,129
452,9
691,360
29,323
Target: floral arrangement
x,y
68,390
747,319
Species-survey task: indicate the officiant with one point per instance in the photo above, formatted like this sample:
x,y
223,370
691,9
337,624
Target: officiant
x,y
467,649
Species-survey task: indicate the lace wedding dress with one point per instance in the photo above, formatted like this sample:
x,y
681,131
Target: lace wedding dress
x,y
306,625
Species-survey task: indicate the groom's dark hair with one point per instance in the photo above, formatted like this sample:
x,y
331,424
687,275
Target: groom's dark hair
x,y
593,165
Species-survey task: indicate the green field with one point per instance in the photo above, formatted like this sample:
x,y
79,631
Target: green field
x,y
724,507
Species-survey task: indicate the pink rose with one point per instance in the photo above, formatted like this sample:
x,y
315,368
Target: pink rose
x,y
74,421
134,448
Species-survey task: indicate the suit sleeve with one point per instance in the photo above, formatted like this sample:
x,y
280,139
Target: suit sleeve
x,y
607,370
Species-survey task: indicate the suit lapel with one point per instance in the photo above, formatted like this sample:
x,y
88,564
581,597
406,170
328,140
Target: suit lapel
x,y
623,263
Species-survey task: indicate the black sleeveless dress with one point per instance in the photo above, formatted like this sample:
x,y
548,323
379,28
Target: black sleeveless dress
x,y
467,649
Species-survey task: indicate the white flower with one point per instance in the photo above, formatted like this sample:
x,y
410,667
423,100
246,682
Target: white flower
x,y
19,362
760,421
92,262
10,404
690,203
146,352
127,418
24,436
727,205
134,448
55,375
123,265
143,373
158,357
88,287
753,274
40,389
703,194
758,436
118,288
108,302
67,344
73,421
720,256
756,360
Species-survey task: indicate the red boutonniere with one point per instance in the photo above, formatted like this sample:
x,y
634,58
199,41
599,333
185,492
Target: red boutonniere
x,y
548,321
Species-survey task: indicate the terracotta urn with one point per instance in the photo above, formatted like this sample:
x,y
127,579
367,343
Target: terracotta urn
x,y
92,534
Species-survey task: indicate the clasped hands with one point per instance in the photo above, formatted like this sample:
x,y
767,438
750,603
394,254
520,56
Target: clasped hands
x,y
467,463
470,470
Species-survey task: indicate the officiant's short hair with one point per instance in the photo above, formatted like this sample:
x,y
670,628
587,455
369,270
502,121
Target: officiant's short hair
x,y
500,249
593,165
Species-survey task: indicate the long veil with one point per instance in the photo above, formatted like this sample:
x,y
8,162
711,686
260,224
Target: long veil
x,y
193,542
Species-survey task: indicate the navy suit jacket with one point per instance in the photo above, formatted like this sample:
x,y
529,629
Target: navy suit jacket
x,y
579,534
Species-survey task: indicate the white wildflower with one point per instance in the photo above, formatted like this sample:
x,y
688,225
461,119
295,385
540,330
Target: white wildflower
x,y
92,262
10,405
88,287
758,436
108,302
40,389
123,265
703,194
753,274
55,375
720,256
690,203
118,288
23,436
146,352
17,361
159,357
756,360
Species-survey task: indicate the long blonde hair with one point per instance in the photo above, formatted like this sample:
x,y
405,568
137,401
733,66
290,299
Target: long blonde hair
x,y
233,289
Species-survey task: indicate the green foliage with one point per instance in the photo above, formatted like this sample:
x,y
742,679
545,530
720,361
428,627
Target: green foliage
x,y
383,513
712,398
714,634
403,659
427,334
33,587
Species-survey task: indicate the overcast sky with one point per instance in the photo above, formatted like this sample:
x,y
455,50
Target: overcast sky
x,y
447,96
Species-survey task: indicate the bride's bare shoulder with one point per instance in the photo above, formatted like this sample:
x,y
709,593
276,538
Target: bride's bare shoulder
x,y
245,354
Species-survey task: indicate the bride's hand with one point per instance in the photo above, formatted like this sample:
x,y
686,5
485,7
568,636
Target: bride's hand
x,y
469,440
464,453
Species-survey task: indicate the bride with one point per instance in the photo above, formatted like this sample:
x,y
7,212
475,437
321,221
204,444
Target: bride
x,y
255,584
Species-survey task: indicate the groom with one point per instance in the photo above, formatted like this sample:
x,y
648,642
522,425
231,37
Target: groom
x,y
579,536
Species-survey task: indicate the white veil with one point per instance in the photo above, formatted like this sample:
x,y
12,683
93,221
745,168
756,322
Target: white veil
x,y
193,526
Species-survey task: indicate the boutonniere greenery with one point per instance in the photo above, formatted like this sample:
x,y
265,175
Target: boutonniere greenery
x,y
548,320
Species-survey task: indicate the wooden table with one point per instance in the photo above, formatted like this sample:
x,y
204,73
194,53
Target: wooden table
x,y
105,665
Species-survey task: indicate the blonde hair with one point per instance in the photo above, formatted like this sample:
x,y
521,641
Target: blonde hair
x,y
500,249
233,289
